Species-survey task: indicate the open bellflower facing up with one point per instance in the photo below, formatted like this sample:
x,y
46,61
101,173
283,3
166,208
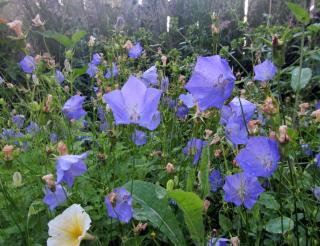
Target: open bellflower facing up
x,y
69,228
264,71
135,51
211,83
114,73
242,188
55,196
28,64
119,205
135,104
139,138
150,76
260,157
194,148
72,108
70,166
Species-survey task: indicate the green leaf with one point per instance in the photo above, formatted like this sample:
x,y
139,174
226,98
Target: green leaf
x,y
77,36
60,38
225,223
153,206
314,28
298,84
192,207
269,201
204,171
300,13
276,226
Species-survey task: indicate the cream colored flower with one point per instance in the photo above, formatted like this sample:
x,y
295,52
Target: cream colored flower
x,y
70,227
37,21
16,26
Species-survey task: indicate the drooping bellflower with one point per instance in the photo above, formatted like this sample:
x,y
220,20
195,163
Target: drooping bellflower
x,y
114,73
139,138
260,157
242,188
135,51
70,166
119,205
72,108
135,104
211,83
59,76
54,197
194,148
150,76
264,71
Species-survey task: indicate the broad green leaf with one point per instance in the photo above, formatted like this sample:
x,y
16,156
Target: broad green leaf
x,y
204,171
77,36
276,226
314,28
192,207
269,201
225,223
60,38
300,13
153,206
298,84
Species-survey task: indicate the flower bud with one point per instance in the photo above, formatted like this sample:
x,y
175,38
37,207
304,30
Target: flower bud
x,y
17,179
235,241
283,134
49,180
170,168
217,153
47,106
316,114
62,148
206,205
16,26
303,108
164,60
140,227
8,151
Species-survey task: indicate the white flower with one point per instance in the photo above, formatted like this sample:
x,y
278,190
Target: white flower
x,y
37,21
91,41
69,228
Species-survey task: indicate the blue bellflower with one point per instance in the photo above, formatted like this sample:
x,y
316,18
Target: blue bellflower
x,y
194,148
92,70
72,108
150,76
242,188
136,51
135,104
114,73
215,180
260,157
119,205
139,138
59,76
28,64
264,71
211,83
18,120
53,198
187,100
70,166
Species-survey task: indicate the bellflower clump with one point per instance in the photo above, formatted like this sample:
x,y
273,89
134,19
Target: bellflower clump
x,y
264,71
194,148
260,157
28,64
242,188
70,166
139,138
72,108
211,83
55,196
119,205
164,86
150,76
215,180
32,128
18,120
135,51
135,104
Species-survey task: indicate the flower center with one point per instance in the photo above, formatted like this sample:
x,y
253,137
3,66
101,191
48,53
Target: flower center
x,y
76,231
134,116
241,191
